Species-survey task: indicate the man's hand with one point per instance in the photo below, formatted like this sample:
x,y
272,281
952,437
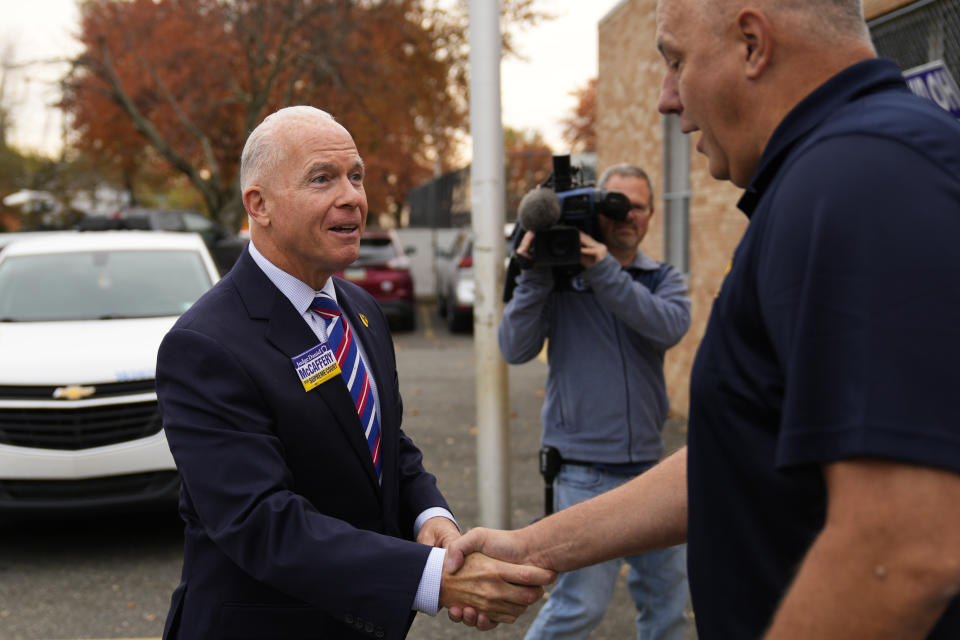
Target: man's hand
x,y
605,527
526,242
485,592
591,251
438,532
504,545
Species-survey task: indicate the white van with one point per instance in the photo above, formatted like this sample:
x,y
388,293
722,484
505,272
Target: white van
x,y
81,318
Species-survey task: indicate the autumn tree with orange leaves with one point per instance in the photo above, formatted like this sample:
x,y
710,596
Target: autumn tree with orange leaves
x,y
580,127
528,162
182,82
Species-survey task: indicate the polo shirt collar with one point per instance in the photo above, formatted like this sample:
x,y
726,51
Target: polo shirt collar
x,y
643,262
863,77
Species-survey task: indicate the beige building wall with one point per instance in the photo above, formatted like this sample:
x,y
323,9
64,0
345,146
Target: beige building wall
x,y
629,129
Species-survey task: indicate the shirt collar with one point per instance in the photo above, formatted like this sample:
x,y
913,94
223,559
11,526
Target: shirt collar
x,y
299,293
861,78
643,262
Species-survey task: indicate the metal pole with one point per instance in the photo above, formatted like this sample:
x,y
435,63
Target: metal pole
x,y
676,194
488,214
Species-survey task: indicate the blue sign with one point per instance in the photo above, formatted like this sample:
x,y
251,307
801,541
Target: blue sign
x,y
935,82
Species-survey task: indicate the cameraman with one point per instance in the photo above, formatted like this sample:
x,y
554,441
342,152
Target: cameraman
x,y
606,402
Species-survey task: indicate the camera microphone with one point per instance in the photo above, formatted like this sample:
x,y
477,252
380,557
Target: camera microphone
x,y
539,210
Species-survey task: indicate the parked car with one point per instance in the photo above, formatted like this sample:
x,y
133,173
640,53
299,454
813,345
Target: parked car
x,y
456,288
81,318
9,237
455,285
225,247
383,270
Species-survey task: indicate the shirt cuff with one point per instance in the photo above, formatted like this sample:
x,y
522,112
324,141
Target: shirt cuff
x,y
537,277
432,512
427,599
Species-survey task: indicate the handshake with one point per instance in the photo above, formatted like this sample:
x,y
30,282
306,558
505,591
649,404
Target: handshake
x,y
484,584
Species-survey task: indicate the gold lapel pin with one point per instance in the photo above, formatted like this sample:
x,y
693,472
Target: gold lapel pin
x,y
364,318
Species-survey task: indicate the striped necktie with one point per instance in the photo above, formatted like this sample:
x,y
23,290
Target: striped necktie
x,y
344,347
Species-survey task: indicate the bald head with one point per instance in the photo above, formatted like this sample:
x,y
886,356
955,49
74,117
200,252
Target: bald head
x,y
302,179
823,21
264,147
736,68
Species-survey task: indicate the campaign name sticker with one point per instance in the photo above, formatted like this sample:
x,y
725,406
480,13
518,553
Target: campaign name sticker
x,y
315,366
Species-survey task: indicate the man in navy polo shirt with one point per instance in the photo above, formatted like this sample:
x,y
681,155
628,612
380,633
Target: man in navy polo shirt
x,y
819,491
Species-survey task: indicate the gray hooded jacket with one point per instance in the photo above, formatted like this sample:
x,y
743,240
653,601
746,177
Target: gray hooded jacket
x,y
607,330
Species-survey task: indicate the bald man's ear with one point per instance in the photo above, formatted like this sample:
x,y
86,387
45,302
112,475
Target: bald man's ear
x,y
757,37
256,205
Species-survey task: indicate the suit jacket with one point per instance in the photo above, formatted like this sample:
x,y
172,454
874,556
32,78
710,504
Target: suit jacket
x,y
288,534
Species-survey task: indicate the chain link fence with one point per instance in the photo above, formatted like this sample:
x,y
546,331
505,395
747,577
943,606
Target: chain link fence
x,y
920,32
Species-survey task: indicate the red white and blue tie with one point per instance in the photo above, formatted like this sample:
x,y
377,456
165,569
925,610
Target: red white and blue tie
x,y
341,341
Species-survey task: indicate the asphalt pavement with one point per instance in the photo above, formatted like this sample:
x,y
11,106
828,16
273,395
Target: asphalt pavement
x,y
110,575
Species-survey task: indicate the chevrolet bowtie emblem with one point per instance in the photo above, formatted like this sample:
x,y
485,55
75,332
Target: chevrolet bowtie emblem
x,y
73,392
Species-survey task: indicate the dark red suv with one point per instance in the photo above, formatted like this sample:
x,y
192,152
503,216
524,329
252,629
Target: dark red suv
x,y
383,270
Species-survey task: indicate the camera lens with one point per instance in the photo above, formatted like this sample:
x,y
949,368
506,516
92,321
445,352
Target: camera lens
x,y
563,245
559,245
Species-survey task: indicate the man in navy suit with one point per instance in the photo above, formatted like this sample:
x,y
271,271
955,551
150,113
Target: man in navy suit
x,y
301,520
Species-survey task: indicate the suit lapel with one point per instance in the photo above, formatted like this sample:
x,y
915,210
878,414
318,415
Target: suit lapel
x,y
289,333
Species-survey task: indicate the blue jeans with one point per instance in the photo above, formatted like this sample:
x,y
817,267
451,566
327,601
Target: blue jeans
x,y
577,602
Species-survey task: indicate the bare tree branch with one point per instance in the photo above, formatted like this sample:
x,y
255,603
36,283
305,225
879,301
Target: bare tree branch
x,y
145,127
203,139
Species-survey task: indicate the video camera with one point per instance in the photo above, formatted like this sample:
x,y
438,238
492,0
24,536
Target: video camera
x,y
557,211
